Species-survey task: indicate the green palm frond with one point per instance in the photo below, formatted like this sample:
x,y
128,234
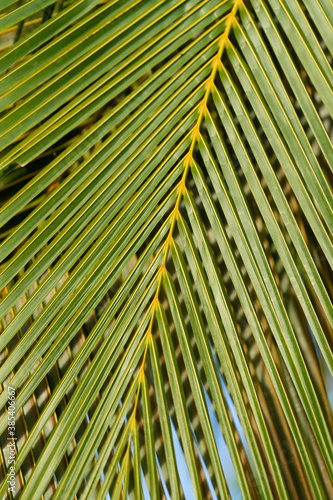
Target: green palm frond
x,y
166,248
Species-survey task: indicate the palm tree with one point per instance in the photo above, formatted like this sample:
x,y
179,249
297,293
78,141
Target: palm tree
x,y
166,248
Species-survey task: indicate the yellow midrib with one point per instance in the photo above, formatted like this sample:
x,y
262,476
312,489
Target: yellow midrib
x,y
181,188
195,135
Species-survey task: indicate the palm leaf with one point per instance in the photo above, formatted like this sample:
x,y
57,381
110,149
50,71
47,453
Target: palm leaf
x,y
166,248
